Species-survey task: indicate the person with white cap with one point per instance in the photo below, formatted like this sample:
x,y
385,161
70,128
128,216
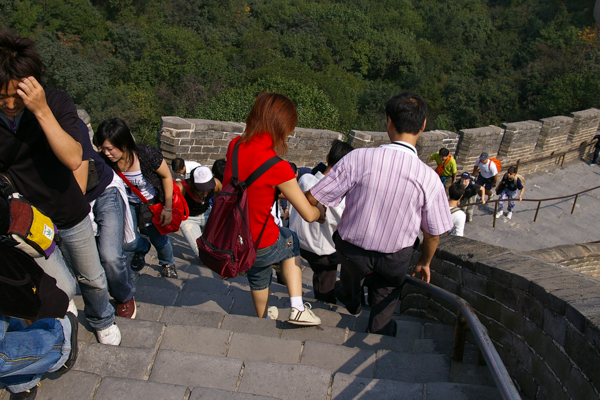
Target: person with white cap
x,y
198,191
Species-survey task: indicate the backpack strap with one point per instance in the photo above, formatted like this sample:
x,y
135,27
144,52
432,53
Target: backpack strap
x,y
254,175
264,167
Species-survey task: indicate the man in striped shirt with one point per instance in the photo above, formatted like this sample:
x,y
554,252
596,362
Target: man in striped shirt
x,y
390,196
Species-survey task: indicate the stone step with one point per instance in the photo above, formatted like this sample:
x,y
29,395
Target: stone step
x,y
197,337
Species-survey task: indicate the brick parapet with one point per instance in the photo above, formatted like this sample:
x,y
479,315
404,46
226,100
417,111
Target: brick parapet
x,y
543,318
474,141
584,127
432,141
206,141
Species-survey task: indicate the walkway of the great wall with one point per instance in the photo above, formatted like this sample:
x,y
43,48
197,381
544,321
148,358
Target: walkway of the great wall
x,y
195,337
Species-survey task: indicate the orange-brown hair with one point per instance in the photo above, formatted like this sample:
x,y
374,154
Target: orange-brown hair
x,y
273,113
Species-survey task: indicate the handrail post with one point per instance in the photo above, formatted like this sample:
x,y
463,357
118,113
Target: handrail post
x,y
537,210
574,203
563,160
495,212
460,336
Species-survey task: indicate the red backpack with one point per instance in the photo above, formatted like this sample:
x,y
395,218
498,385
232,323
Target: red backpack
x,y
226,245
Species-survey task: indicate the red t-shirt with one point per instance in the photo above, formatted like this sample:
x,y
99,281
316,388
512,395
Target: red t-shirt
x,y
261,193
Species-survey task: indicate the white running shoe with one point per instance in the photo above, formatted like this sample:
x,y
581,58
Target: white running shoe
x,y
509,215
498,214
110,335
72,307
306,317
273,312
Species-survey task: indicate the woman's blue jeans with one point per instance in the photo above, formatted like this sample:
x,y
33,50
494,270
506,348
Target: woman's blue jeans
x,y
109,214
30,351
162,243
78,250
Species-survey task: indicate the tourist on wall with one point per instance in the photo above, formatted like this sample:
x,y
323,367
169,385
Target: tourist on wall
x,y
510,187
146,169
390,196
316,240
472,190
446,167
183,168
488,173
595,159
271,120
459,217
198,191
113,225
39,152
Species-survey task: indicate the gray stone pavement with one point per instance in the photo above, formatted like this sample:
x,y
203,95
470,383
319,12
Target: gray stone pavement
x,y
196,337
555,225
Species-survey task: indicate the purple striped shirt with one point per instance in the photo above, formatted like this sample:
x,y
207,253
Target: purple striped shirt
x,y
390,196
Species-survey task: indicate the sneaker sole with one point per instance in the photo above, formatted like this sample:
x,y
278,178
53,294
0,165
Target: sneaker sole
x,y
74,346
304,323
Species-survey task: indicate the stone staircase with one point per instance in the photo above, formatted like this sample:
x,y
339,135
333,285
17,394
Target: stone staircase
x,y
196,338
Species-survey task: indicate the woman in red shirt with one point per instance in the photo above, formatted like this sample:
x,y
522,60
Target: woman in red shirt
x,y
271,120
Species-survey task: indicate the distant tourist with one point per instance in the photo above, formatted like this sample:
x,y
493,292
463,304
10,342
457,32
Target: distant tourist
x,y
182,167
390,196
446,167
595,159
488,173
510,187
470,196
455,193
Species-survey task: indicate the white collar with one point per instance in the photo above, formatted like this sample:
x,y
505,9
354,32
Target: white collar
x,y
402,146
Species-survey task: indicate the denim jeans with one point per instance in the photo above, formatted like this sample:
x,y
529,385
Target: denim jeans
x,y
508,194
30,351
286,246
109,213
162,243
80,254
192,229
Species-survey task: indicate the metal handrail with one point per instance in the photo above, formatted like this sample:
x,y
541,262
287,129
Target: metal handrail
x,y
539,201
500,374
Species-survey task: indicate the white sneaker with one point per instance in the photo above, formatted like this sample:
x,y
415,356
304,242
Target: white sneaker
x,y
509,215
498,214
272,312
110,335
306,317
72,307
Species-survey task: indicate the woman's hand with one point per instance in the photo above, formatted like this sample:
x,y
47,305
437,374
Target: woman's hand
x,y
166,217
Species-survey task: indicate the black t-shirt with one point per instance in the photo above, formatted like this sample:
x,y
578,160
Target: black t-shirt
x,y
34,169
471,190
105,173
195,207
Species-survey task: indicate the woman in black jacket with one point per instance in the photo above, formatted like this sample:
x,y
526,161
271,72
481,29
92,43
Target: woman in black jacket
x,y
146,169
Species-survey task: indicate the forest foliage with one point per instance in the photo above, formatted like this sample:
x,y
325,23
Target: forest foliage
x,y
476,62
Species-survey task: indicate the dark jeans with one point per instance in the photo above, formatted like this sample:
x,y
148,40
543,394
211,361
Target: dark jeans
x,y
385,283
324,274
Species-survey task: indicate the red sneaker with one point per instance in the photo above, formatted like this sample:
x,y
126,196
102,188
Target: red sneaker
x,y
127,309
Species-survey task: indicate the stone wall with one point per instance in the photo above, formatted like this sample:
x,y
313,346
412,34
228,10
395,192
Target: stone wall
x,y
206,141
544,319
584,258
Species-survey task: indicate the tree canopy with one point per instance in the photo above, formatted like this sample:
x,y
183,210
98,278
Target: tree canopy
x,y
476,62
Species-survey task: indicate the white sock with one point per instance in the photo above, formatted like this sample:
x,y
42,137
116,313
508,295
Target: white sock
x,y
297,303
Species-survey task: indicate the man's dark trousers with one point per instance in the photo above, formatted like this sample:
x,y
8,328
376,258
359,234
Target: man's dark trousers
x,y
385,284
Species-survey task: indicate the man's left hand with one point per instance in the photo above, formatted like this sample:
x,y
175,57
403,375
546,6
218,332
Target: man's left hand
x,y
33,95
424,271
